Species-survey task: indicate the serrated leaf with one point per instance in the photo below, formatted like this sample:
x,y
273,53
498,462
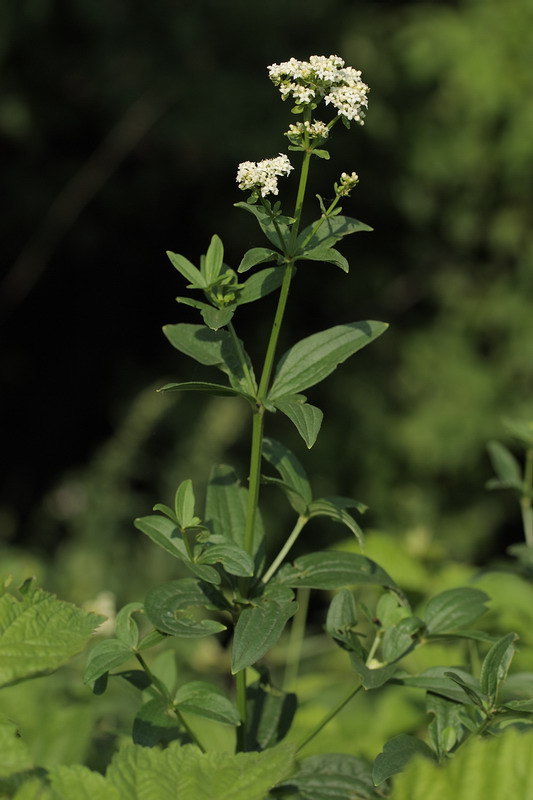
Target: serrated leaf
x,y
271,231
178,608
77,782
396,754
126,629
326,254
213,259
306,418
143,773
329,507
105,656
188,270
39,633
312,359
257,255
332,776
234,559
155,724
454,608
496,665
505,466
260,625
269,713
331,229
226,509
289,468
205,700
331,570
260,285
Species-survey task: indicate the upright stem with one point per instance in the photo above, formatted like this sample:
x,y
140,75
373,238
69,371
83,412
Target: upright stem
x,y
330,716
525,501
274,336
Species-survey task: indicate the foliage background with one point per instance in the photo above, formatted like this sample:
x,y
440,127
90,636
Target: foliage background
x,y
121,126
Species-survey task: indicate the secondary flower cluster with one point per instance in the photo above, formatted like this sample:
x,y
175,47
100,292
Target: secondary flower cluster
x,y
314,130
323,77
262,177
346,184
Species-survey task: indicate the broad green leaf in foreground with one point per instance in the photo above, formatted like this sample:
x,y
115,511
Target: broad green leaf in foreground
x,y
260,626
38,633
312,359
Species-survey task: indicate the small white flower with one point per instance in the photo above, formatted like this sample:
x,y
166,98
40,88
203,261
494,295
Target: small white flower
x,y
346,184
315,130
261,176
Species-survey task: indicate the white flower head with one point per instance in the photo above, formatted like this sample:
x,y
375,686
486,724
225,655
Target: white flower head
x,y
262,177
346,184
315,130
322,77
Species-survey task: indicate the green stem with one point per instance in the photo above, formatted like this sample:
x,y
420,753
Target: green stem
x,y
254,479
274,335
189,730
297,635
252,388
525,500
300,522
320,221
330,716
300,200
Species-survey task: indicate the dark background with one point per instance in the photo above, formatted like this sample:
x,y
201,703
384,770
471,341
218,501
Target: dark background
x,y
121,128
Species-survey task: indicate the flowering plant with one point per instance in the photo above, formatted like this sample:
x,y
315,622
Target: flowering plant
x,y
236,586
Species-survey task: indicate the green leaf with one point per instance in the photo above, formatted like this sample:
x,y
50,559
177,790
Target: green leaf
x,y
257,255
126,629
16,763
271,231
260,625
178,608
506,468
466,685
144,773
167,535
289,468
332,776
155,724
260,285
396,755
334,508
206,700
321,154
326,254
314,358
105,656
269,713
306,418
188,270
293,497
226,508
213,260
216,318
330,231
184,504
454,608
341,622
520,705
436,680
496,665
39,633
330,570
208,388
445,729
400,638
234,559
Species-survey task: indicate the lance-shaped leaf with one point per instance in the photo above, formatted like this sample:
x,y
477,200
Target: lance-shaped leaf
x,y
326,254
207,388
269,713
314,358
126,629
214,318
472,693
332,776
39,633
260,625
506,468
341,622
205,700
437,680
260,285
188,270
306,418
290,470
329,231
178,608
454,608
257,255
335,509
496,665
277,233
165,533
105,656
226,508
330,570
212,263
396,755
234,559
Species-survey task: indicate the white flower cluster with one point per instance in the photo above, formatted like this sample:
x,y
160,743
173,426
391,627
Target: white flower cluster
x,y
262,176
315,130
346,184
323,77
